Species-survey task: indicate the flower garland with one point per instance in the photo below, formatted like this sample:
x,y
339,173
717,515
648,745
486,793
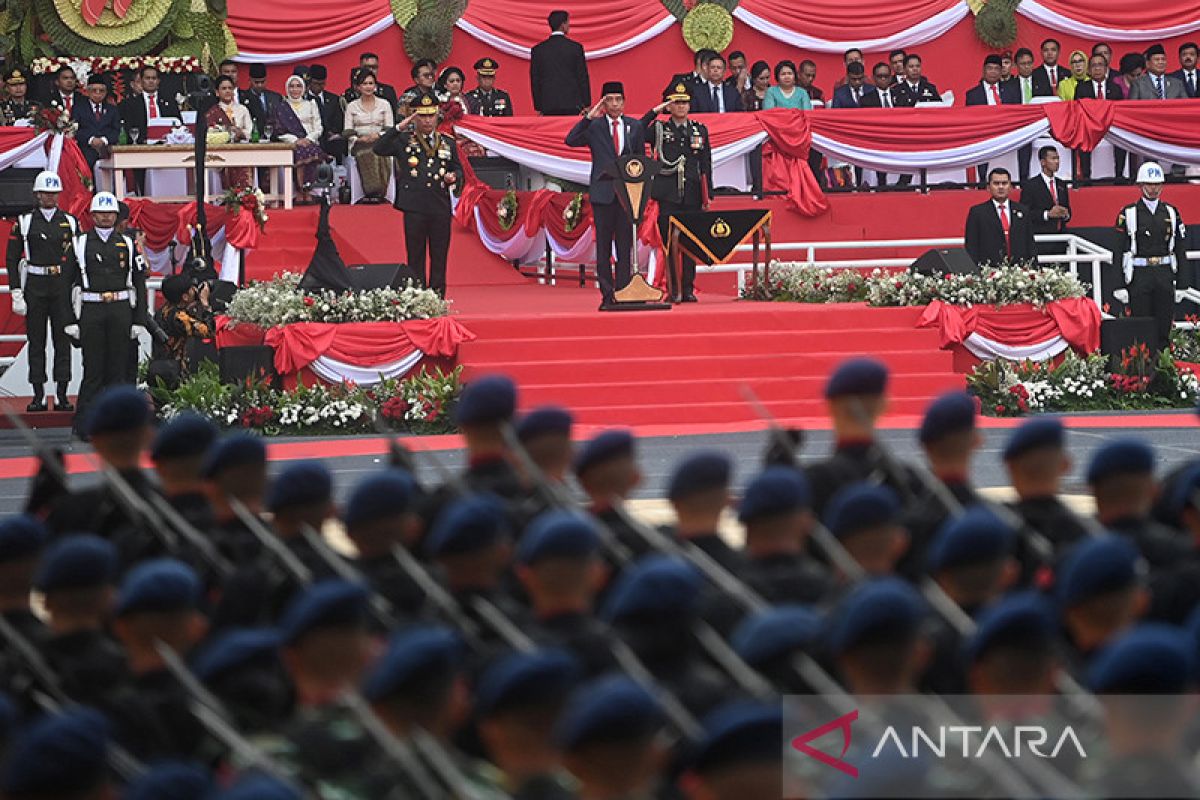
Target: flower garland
x,y
53,119
280,301
248,197
506,210
573,212
181,65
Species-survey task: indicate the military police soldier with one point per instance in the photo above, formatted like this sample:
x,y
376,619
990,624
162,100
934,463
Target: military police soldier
x,y
1151,247
17,107
684,179
485,99
40,254
427,169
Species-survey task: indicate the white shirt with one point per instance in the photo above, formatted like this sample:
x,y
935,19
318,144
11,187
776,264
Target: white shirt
x,y
885,98
48,213
104,233
152,99
720,96
1052,74
1189,74
620,131
1051,187
992,99
1150,204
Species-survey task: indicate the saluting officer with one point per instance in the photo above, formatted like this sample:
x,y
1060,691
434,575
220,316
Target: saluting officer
x,y
40,252
106,301
18,106
485,99
1151,247
684,179
427,168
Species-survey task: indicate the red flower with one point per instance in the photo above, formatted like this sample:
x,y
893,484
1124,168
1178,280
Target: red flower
x,y
394,408
308,301
999,409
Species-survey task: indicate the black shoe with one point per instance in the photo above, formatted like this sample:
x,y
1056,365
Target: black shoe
x,y
38,404
690,298
61,403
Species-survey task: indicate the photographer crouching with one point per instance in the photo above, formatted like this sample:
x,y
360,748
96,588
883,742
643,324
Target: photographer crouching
x,y
188,322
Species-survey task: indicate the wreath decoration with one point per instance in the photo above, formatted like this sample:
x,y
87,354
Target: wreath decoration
x,y
708,25
996,23
144,25
428,32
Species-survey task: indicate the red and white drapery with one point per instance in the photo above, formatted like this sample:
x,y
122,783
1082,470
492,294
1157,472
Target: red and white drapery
x,y
1018,332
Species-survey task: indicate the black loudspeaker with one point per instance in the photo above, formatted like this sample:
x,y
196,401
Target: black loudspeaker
x,y
953,260
1125,332
378,276
253,361
498,173
15,194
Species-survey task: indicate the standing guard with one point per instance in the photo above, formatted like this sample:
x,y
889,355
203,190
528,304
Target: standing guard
x,y
485,99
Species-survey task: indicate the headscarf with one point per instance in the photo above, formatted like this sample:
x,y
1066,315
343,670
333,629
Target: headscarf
x,y
295,103
1082,55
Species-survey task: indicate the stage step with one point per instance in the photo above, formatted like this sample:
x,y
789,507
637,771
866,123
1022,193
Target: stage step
x,y
617,416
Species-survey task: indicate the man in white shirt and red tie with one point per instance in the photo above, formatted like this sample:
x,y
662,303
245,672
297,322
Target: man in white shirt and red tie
x,y
65,92
1100,86
1048,200
1047,76
138,111
999,230
991,91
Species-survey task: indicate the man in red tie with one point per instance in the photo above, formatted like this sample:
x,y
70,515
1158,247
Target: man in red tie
x,y
999,231
65,92
138,111
991,91
1048,199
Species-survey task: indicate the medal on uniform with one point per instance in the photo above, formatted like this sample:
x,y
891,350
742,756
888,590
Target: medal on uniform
x,y
413,161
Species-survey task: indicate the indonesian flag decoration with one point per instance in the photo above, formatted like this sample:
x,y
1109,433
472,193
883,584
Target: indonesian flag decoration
x,y
93,9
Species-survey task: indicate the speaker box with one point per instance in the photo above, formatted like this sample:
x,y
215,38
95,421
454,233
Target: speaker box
x,y
16,196
940,261
498,173
252,361
1125,332
379,276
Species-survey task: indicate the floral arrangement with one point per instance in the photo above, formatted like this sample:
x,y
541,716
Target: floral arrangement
x,y
280,301
250,198
573,212
1185,342
506,210
417,404
1084,383
217,135
88,66
53,119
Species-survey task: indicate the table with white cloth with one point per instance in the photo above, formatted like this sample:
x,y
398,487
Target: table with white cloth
x,y
276,157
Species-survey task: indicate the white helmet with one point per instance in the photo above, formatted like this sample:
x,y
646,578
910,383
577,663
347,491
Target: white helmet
x,y
47,181
1150,172
105,201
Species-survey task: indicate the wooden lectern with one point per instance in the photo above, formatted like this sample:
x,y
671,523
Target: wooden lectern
x,y
632,176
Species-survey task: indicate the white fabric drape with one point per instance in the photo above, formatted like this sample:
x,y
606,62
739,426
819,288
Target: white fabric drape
x,y
520,51
990,349
379,26
1153,148
335,371
518,246
34,146
928,30
950,158
1038,13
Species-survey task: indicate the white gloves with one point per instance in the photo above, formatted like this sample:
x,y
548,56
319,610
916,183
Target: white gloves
x,y
77,301
18,302
136,331
1121,294
72,331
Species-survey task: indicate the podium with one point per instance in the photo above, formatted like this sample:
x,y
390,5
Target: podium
x,y
712,237
632,176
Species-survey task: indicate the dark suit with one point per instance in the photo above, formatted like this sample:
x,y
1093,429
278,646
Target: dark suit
x,y
843,98
1193,90
895,100
333,122
106,125
1043,86
56,99
254,101
612,221
1086,90
134,114
1035,194
985,240
558,77
925,92
977,95
702,102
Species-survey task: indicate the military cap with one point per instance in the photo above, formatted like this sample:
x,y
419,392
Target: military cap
x,y
1155,49
59,754
80,561
679,92
486,66
951,413
258,71
117,410
21,536
858,376
14,76
234,648
237,450
1181,491
975,537
174,287
491,398
605,447
384,494
176,780
613,87
523,680
260,787
700,472
860,507
332,603
300,71
1035,434
776,491
1121,457
317,72
468,525
303,483
1023,619
887,606
545,420
1152,658
776,631
654,586
1097,566
612,708
96,79
426,105
186,436
158,585
414,655
739,732
993,58
558,534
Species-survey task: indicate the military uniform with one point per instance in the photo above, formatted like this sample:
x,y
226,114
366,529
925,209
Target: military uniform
x,y
490,102
12,110
423,165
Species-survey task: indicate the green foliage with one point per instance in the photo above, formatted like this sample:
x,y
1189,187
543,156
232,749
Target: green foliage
x,y
403,11
429,35
68,40
996,24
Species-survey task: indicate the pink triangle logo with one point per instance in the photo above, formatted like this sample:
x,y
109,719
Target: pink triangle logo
x,y
842,723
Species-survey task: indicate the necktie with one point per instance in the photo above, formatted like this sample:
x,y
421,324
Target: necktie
x,y
1027,89
1004,225
616,139
70,101
854,93
995,94
262,98
97,111
716,99
1191,83
1053,73
1100,88
1053,190
153,107
1158,86
887,99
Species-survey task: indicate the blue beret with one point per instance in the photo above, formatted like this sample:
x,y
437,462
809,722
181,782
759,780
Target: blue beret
x,y
975,537
76,562
739,732
21,537
857,376
233,648
700,472
774,632
414,655
1097,566
237,450
547,419
260,787
775,491
492,398
186,436
176,780
1152,658
1035,434
1122,457
608,709
951,413
384,494
1024,618
607,446
521,680
558,534
332,603
468,525
655,585
860,507
1180,491
118,409
62,753
304,483
881,606
159,585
